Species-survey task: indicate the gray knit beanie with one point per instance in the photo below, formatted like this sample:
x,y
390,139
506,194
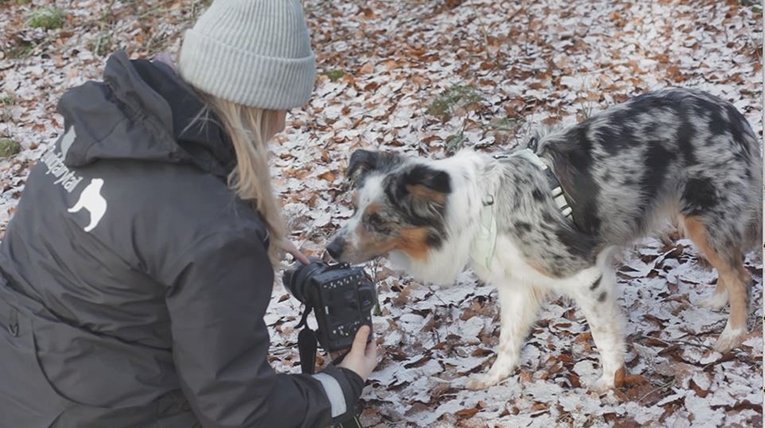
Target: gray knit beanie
x,y
251,52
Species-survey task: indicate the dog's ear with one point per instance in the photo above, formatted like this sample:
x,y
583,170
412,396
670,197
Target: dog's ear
x,y
424,190
423,179
363,162
360,164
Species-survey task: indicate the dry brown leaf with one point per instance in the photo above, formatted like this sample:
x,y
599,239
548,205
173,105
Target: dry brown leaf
x,y
367,68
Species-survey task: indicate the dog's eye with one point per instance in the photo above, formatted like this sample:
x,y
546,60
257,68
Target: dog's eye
x,y
374,220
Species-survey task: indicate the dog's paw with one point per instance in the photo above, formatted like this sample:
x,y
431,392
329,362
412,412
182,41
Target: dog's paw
x,y
729,339
478,382
603,385
483,381
610,380
501,369
715,302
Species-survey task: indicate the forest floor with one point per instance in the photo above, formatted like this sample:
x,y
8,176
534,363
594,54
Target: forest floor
x,y
428,78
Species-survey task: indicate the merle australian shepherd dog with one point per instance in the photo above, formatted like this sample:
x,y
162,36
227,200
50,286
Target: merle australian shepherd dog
x,y
547,218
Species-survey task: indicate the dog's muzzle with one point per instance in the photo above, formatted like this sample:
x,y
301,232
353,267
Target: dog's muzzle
x,y
335,248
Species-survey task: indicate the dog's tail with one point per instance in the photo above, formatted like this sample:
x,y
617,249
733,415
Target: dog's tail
x,y
752,147
754,231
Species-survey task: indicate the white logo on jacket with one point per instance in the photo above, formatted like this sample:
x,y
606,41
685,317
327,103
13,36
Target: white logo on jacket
x,y
93,202
53,160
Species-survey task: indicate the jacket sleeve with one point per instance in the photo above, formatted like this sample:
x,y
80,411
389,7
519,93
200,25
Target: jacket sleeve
x,y
219,294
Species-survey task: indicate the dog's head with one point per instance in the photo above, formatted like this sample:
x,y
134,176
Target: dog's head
x,y
400,205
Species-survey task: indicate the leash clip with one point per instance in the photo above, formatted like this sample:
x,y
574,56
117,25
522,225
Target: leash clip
x,y
533,144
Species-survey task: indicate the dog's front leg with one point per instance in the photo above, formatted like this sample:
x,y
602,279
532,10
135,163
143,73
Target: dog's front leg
x,y
597,301
518,308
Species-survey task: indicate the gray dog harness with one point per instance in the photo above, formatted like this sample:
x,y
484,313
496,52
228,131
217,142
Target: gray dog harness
x,y
555,188
486,241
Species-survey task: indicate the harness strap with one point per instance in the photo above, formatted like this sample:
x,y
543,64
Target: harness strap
x,y
486,240
559,196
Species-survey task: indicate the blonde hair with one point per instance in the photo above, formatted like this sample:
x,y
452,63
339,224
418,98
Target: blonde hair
x,y
246,127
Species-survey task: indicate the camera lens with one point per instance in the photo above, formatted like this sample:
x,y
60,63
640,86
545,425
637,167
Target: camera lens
x,y
295,279
287,281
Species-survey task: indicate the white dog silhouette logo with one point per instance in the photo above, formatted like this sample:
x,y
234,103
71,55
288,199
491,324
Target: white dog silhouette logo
x,y
93,202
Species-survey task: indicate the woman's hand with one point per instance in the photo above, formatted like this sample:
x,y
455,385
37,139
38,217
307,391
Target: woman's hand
x,y
289,247
362,357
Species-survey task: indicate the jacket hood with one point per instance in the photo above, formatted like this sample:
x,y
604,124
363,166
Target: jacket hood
x,y
143,111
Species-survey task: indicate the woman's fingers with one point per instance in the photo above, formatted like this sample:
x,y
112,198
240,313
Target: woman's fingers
x,y
289,247
360,341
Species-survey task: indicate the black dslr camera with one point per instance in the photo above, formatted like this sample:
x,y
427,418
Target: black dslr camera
x,y
342,296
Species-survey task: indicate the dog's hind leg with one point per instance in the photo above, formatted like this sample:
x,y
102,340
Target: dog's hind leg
x,y
722,249
597,300
719,299
518,304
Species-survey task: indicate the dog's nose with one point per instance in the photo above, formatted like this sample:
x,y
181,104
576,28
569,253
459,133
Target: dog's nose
x,y
335,248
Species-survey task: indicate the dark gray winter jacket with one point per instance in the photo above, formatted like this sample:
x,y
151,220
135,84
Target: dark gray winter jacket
x,y
134,281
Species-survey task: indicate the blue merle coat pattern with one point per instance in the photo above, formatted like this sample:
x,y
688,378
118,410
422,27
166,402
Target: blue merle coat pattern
x,y
675,156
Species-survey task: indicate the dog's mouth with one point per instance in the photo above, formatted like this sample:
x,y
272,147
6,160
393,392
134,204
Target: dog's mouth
x,y
352,257
345,251
345,259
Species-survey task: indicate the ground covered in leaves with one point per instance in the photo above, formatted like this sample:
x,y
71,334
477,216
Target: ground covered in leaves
x,y
428,78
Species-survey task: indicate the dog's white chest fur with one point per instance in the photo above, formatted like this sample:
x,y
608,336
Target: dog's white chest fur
x,y
508,265
521,288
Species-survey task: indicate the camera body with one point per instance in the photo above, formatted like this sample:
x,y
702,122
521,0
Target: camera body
x,y
342,297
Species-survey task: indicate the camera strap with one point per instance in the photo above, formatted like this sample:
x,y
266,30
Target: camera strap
x,y
307,348
307,344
